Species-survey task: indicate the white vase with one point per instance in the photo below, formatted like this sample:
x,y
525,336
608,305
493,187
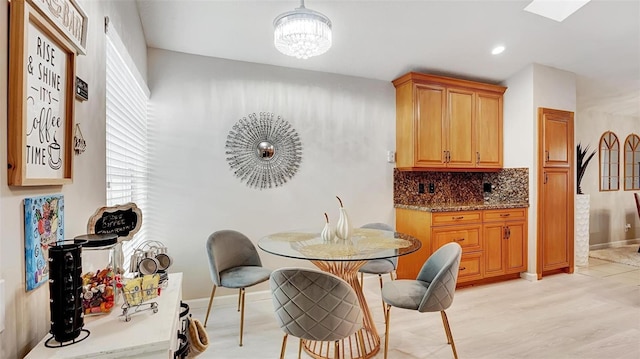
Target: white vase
x,y
343,227
327,233
581,223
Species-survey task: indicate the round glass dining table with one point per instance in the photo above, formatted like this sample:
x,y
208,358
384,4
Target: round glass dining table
x,y
343,258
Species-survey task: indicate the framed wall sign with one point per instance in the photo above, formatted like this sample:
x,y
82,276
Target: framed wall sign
x,y
41,100
123,220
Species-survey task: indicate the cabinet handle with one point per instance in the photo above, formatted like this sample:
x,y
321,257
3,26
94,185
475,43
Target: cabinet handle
x,y
463,268
546,156
505,214
504,232
477,158
458,240
457,218
444,156
546,178
448,156
508,232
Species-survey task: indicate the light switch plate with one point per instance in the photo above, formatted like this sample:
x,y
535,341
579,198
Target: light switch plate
x,y
2,301
391,156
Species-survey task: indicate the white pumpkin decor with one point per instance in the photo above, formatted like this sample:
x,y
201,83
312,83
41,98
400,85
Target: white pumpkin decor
x,y
327,233
343,227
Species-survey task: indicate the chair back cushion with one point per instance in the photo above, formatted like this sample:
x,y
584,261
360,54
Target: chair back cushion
x,y
441,272
228,249
314,305
392,260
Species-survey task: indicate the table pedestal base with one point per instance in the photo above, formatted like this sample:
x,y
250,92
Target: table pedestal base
x,y
348,347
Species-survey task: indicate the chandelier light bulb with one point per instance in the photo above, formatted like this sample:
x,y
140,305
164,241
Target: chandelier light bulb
x,y
302,33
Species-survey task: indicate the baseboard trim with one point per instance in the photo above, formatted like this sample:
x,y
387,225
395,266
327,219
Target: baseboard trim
x,y
531,277
614,244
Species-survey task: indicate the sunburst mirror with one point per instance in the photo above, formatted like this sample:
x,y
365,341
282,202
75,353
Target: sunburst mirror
x,y
263,151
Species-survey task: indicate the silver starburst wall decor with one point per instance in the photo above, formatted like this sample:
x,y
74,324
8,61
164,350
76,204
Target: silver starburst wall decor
x,y
265,151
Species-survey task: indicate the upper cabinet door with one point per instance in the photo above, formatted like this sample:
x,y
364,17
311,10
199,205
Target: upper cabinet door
x,y
431,139
558,134
489,130
461,135
436,124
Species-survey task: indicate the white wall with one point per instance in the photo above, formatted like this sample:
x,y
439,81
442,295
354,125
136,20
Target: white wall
x,y
532,87
346,125
609,211
520,143
27,313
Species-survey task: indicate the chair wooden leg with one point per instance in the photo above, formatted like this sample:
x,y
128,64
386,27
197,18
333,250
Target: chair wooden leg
x,y
213,291
239,295
384,312
284,345
361,278
241,313
447,329
393,275
337,349
386,331
300,349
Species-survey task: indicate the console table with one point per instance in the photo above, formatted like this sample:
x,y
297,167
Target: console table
x,y
147,335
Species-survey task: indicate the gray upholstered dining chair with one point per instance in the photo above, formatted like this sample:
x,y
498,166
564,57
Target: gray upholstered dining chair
x,y
379,266
234,263
313,305
431,291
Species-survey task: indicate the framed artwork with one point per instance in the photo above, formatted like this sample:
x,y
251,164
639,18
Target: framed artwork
x,y
43,227
41,100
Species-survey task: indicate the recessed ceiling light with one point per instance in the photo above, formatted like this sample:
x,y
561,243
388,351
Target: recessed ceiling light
x,y
557,10
497,50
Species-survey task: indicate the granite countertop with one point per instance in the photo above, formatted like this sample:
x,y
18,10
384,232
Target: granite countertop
x,y
456,207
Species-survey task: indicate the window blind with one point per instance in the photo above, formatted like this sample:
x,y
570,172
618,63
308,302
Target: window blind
x,y
126,136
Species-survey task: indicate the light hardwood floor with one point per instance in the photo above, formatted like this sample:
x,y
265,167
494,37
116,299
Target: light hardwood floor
x,y
594,313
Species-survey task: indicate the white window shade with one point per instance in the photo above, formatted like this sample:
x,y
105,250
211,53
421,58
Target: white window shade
x,y
126,135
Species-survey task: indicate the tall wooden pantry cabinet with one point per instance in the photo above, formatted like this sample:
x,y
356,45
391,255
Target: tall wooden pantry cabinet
x,y
555,191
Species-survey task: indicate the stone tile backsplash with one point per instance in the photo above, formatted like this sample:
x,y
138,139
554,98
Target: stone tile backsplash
x,y
509,185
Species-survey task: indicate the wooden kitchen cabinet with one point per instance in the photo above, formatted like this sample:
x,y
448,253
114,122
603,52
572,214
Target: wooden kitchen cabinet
x,y
556,220
557,138
556,178
446,123
494,241
505,242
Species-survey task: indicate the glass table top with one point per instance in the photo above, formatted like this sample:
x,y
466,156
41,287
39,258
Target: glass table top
x,y
364,244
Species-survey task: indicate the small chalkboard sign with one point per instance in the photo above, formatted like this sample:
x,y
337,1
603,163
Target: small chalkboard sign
x,y
82,89
123,220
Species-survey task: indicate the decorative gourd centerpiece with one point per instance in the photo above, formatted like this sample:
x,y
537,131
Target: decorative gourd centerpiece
x,y
327,233
343,227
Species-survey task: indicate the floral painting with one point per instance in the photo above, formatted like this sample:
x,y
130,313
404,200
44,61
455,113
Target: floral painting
x,y
43,227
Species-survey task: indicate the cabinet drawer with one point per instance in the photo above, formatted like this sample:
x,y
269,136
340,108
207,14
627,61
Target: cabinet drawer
x,y
504,214
467,236
447,218
470,267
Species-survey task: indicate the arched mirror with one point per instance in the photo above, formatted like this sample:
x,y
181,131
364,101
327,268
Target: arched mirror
x,y
632,162
609,162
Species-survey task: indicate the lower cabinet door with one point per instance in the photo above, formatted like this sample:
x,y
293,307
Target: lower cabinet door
x,y
470,267
494,235
516,248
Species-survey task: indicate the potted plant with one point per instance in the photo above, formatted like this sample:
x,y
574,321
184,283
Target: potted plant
x,y
582,208
582,163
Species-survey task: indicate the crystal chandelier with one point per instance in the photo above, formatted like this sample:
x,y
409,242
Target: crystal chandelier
x,y
302,33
